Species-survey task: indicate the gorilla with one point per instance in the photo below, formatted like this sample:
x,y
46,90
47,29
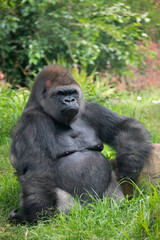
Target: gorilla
x,y
57,143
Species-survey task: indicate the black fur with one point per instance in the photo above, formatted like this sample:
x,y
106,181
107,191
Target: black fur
x,y
57,144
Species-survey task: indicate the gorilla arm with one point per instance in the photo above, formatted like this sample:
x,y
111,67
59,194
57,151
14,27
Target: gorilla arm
x,y
126,135
32,155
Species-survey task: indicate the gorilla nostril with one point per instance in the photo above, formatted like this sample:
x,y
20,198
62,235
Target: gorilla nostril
x,y
73,100
69,100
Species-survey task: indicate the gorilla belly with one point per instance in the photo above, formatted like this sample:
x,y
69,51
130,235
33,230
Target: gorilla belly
x,y
83,174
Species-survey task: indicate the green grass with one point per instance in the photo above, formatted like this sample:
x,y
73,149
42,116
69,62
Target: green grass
x,y
11,106
144,110
137,219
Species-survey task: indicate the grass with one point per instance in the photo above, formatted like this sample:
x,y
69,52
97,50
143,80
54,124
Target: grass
x,y
136,219
144,110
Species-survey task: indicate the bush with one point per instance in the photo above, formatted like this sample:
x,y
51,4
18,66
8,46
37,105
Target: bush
x,y
153,9
90,33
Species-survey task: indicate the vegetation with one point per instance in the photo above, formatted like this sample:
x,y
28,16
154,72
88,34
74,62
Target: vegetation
x,y
90,35
134,219
93,34
152,8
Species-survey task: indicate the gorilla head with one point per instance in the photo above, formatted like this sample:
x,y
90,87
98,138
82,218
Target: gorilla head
x,y
59,94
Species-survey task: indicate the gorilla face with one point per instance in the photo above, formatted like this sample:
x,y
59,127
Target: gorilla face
x,y
62,103
61,97
67,99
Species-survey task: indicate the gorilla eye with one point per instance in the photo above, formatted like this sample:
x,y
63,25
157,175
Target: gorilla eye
x,y
74,91
60,92
66,92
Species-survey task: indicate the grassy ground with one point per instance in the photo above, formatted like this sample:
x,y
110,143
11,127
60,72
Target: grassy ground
x,y
138,218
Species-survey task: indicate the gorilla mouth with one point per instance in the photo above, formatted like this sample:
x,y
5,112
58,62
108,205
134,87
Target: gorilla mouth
x,y
70,112
70,109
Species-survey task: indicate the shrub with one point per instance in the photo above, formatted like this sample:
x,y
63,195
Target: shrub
x,y
90,33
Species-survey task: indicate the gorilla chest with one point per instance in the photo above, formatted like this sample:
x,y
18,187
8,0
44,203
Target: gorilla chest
x,y
76,138
80,167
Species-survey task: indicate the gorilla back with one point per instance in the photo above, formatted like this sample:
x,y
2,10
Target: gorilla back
x,y
57,143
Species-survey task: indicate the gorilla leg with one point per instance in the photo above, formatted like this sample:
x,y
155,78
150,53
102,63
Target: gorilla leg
x,y
37,196
114,190
62,202
33,207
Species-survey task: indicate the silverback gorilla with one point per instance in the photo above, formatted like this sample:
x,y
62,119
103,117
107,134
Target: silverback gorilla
x,y
57,143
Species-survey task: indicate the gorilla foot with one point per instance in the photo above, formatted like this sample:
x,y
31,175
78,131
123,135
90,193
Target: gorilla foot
x,y
15,215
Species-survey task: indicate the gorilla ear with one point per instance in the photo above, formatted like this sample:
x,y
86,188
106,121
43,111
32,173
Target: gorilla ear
x,y
48,83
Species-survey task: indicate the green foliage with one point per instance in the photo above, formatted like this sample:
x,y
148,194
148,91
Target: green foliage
x,y
90,33
152,7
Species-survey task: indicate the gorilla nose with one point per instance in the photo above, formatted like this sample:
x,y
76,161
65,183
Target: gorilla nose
x,y
69,100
